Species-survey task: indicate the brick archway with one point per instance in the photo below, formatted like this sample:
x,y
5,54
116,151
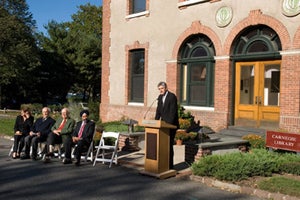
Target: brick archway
x,y
256,17
196,28
296,39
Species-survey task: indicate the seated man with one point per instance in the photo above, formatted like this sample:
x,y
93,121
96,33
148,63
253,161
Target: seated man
x,y
61,132
83,134
39,133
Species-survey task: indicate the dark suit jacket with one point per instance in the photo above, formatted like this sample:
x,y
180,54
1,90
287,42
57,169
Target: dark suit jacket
x,y
23,126
68,128
44,127
88,130
168,111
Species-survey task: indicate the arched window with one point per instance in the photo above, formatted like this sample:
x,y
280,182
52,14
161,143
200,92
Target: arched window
x,y
257,42
196,61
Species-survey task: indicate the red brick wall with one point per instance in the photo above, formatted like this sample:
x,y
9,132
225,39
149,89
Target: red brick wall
x,y
220,116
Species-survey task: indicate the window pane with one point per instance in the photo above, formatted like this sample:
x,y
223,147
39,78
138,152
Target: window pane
x,y
258,46
198,95
198,72
137,63
184,82
247,84
138,6
137,88
198,52
198,84
272,85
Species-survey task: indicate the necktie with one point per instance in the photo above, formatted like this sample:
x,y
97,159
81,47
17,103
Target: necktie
x,y
164,98
61,126
81,129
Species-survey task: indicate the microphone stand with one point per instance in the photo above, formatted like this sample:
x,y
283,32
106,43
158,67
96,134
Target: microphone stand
x,y
149,108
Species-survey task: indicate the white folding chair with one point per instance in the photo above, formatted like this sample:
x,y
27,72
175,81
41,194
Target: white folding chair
x,y
12,148
106,148
57,150
90,152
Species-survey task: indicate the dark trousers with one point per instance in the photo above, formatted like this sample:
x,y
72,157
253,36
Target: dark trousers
x,y
58,139
171,151
18,143
34,142
82,146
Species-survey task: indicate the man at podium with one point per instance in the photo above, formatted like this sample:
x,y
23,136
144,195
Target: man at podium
x,y
167,111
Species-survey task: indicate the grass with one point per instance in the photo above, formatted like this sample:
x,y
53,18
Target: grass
x,y
118,126
7,126
282,185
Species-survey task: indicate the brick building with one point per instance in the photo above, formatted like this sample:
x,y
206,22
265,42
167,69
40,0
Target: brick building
x,y
230,62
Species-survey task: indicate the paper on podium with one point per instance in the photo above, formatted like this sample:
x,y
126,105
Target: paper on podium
x,y
156,124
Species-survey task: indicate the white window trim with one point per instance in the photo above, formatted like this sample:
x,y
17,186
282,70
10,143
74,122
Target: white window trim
x,y
199,108
135,104
137,14
191,2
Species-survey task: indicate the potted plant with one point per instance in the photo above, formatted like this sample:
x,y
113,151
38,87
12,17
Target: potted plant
x,y
185,118
180,136
184,123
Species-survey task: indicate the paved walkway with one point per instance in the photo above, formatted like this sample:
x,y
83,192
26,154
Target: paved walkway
x,y
34,180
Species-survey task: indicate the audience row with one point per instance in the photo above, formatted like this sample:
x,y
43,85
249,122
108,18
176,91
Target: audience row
x,y
64,130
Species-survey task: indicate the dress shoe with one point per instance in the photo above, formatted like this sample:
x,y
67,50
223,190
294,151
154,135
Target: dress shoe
x,y
14,156
47,160
34,158
50,154
25,157
67,161
77,163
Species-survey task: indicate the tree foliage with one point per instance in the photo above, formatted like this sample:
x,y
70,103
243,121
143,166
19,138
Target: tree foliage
x,y
86,31
18,51
36,68
78,44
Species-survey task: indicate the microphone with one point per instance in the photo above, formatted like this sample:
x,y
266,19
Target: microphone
x,y
149,108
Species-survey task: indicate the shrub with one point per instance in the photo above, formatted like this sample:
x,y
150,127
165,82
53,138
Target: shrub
x,y
206,166
184,136
193,135
94,110
290,167
184,123
237,166
116,126
55,108
185,118
256,141
181,135
35,108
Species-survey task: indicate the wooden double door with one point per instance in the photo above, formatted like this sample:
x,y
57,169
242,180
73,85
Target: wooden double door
x,y
257,94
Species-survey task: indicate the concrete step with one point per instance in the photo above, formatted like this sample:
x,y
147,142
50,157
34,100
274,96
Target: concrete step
x,y
238,131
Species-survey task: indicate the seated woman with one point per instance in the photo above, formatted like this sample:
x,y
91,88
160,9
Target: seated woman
x,y
22,127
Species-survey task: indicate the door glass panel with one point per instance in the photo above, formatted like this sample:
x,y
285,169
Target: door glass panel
x,y
247,84
272,85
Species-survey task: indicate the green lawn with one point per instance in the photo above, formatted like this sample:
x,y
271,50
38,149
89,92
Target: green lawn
x,y
282,185
7,126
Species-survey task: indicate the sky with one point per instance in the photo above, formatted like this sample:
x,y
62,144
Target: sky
x,y
44,11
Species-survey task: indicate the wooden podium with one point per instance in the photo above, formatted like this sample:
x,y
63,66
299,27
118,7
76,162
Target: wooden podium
x,y
157,149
